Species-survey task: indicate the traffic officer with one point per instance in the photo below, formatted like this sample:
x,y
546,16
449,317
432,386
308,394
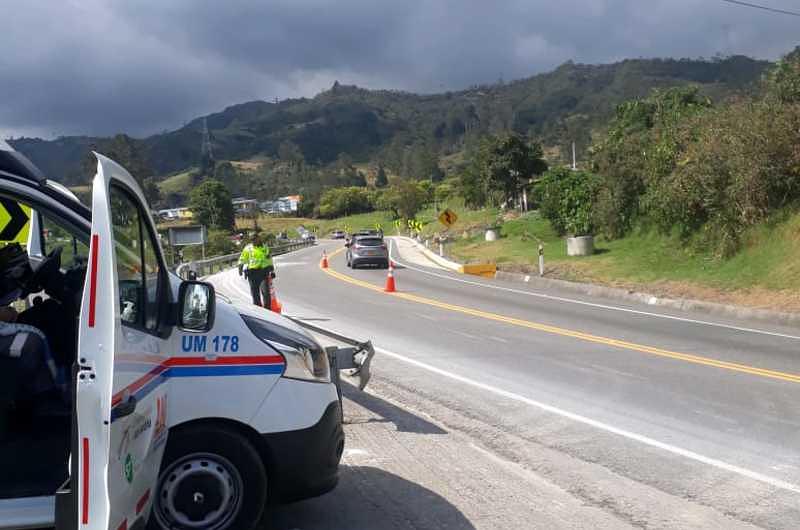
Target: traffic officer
x,y
258,261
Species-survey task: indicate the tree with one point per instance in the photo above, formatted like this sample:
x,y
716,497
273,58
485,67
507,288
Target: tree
x,y
501,165
783,81
151,191
472,185
403,200
289,152
210,202
409,199
381,181
336,202
510,162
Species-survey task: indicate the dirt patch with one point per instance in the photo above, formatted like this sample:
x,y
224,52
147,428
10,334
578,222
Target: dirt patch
x,y
246,166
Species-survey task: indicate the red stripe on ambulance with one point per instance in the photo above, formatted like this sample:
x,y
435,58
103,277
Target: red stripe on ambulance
x,y
85,466
93,280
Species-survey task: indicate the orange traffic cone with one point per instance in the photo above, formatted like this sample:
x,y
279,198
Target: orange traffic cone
x,y
390,287
324,263
274,305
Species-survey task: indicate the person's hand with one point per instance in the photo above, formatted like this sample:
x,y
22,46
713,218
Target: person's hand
x,y
240,270
8,314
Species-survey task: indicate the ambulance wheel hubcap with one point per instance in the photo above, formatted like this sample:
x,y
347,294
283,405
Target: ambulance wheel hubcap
x,y
199,491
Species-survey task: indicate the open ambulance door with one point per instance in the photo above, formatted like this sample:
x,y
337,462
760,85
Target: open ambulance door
x,y
120,396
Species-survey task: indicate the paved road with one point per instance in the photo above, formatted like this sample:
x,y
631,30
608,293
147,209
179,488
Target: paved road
x,y
620,415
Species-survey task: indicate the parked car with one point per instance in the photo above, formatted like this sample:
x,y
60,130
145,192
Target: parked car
x,y
338,234
367,250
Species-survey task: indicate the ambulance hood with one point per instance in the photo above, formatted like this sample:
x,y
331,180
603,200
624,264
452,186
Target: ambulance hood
x,y
255,311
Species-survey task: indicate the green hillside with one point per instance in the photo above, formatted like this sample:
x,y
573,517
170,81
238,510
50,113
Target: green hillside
x,y
564,105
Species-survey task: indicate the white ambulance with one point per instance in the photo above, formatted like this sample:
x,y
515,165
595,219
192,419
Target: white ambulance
x,y
185,411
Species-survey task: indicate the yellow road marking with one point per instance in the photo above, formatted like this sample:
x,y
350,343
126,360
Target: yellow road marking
x,y
696,359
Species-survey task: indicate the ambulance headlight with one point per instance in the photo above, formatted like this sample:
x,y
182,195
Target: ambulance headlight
x,y
305,359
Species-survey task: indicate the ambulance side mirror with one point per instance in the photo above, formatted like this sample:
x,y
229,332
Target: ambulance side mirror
x,y
196,304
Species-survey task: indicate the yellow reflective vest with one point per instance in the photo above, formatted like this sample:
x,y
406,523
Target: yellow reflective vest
x,y
253,257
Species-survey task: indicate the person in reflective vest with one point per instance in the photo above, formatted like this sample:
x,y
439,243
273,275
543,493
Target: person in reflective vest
x,y
257,261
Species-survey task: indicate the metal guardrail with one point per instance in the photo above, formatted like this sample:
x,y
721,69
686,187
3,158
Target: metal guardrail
x,y
219,263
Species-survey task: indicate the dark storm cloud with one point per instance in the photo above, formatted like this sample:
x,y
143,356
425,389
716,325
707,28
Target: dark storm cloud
x,y
96,67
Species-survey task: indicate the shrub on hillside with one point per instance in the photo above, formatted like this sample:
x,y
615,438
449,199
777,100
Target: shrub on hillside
x,y
642,146
566,198
743,164
338,202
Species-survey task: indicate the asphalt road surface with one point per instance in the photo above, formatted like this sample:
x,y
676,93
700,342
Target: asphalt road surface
x,y
494,405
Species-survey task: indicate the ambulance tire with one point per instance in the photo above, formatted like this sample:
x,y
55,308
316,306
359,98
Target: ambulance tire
x,y
240,462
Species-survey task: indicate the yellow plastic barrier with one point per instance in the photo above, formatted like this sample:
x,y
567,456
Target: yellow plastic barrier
x,y
487,270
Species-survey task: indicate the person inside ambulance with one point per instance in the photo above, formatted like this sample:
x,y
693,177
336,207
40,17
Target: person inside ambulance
x,y
34,376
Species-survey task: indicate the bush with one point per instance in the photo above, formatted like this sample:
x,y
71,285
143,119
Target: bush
x,y
566,199
404,199
643,145
743,164
339,202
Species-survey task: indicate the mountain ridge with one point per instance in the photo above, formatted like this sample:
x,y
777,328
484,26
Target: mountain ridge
x,y
568,103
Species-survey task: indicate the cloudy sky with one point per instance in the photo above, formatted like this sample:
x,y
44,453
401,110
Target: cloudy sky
x,y
141,66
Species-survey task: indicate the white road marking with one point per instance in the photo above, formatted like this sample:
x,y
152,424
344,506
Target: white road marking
x,y
290,263
355,452
467,335
591,304
646,440
679,451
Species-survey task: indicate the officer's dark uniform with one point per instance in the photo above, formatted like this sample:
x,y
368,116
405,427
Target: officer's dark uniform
x,y
30,377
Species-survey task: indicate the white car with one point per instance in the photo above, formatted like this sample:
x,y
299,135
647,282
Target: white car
x,y
188,411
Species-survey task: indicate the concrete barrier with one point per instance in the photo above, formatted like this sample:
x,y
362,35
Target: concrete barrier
x,y
487,270
580,246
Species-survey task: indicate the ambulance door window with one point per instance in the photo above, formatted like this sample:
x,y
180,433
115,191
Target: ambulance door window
x,y
74,252
152,275
138,268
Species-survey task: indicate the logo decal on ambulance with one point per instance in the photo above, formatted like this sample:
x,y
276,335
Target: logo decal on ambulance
x,y
128,468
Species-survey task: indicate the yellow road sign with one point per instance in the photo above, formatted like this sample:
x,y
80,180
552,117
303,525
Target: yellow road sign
x,y
14,222
448,217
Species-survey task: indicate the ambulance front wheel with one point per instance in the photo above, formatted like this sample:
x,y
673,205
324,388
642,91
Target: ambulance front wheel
x,y
210,479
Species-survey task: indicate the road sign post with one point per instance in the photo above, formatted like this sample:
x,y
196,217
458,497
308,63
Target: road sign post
x,y
541,260
181,236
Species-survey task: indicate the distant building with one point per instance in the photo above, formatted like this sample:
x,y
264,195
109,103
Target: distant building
x,y
292,201
244,207
175,214
282,205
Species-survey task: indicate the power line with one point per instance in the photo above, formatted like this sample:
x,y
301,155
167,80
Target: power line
x,y
764,8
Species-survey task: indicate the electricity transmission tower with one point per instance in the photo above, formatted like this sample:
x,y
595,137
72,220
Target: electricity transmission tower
x,y
206,153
